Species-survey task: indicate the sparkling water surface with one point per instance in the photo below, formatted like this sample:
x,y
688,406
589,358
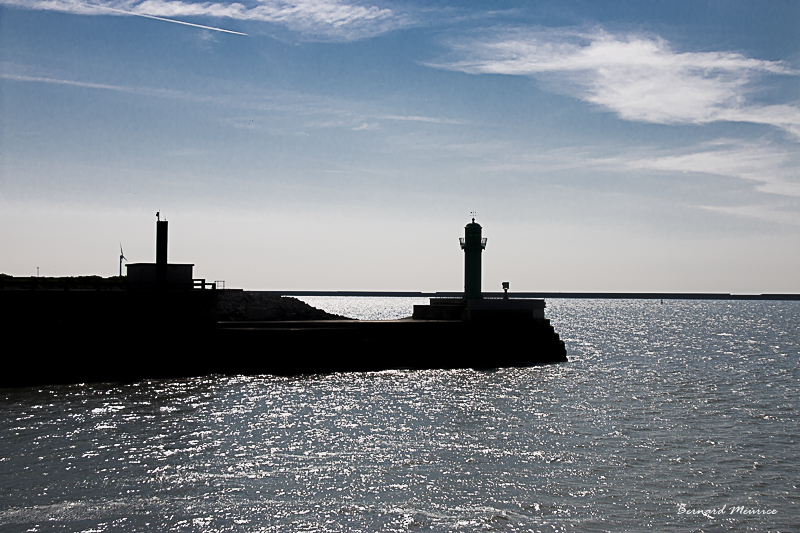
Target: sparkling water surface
x,y
366,308
686,405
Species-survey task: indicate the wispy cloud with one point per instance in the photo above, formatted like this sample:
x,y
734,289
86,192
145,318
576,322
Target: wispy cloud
x,y
414,118
327,19
144,91
367,126
761,212
640,78
240,97
776,171
334,113
337,113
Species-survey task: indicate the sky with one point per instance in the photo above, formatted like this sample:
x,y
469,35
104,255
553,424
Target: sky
x,y
338,145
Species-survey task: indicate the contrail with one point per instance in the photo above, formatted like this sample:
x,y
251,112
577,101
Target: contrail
x,y
165,19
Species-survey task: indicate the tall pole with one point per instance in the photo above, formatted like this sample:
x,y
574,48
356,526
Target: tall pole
x,y
161,253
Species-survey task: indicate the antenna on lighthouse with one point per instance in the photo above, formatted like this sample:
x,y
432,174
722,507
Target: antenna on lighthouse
x,y
473,214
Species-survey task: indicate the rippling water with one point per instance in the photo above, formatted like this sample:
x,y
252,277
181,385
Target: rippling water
x,y
690,403
366,308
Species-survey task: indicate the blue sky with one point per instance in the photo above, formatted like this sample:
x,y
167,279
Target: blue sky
x,y
334,145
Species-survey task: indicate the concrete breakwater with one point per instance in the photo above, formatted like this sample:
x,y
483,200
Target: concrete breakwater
x,y
353,346
160,322
78,336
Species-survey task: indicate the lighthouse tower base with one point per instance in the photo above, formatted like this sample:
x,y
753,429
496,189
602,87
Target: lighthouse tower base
x,y
483,310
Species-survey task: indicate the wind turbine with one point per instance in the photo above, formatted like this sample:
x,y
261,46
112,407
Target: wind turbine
x,y
121,258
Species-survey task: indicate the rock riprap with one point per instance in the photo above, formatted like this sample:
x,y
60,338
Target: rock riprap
x,y
235,306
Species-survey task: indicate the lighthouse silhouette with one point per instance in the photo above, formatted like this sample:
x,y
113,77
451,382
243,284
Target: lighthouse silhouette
x,y
473,244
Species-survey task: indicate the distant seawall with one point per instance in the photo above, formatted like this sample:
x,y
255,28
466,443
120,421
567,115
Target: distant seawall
x,y
584,295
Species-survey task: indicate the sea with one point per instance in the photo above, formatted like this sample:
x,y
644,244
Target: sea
x,y
676,416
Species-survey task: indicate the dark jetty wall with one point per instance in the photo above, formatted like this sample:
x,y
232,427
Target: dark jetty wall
x,y
90,335
288,348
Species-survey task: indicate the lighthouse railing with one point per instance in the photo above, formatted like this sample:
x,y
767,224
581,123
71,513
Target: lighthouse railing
x,y
463,242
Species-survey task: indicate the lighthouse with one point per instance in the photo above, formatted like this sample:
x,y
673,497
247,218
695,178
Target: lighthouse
x,y
518,314
473,244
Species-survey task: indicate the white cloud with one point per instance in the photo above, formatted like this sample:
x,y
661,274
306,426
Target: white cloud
x,y
640,78
416,118
329,19
86,85
239,96
304,105
760,212
7,72
366,126
776,171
